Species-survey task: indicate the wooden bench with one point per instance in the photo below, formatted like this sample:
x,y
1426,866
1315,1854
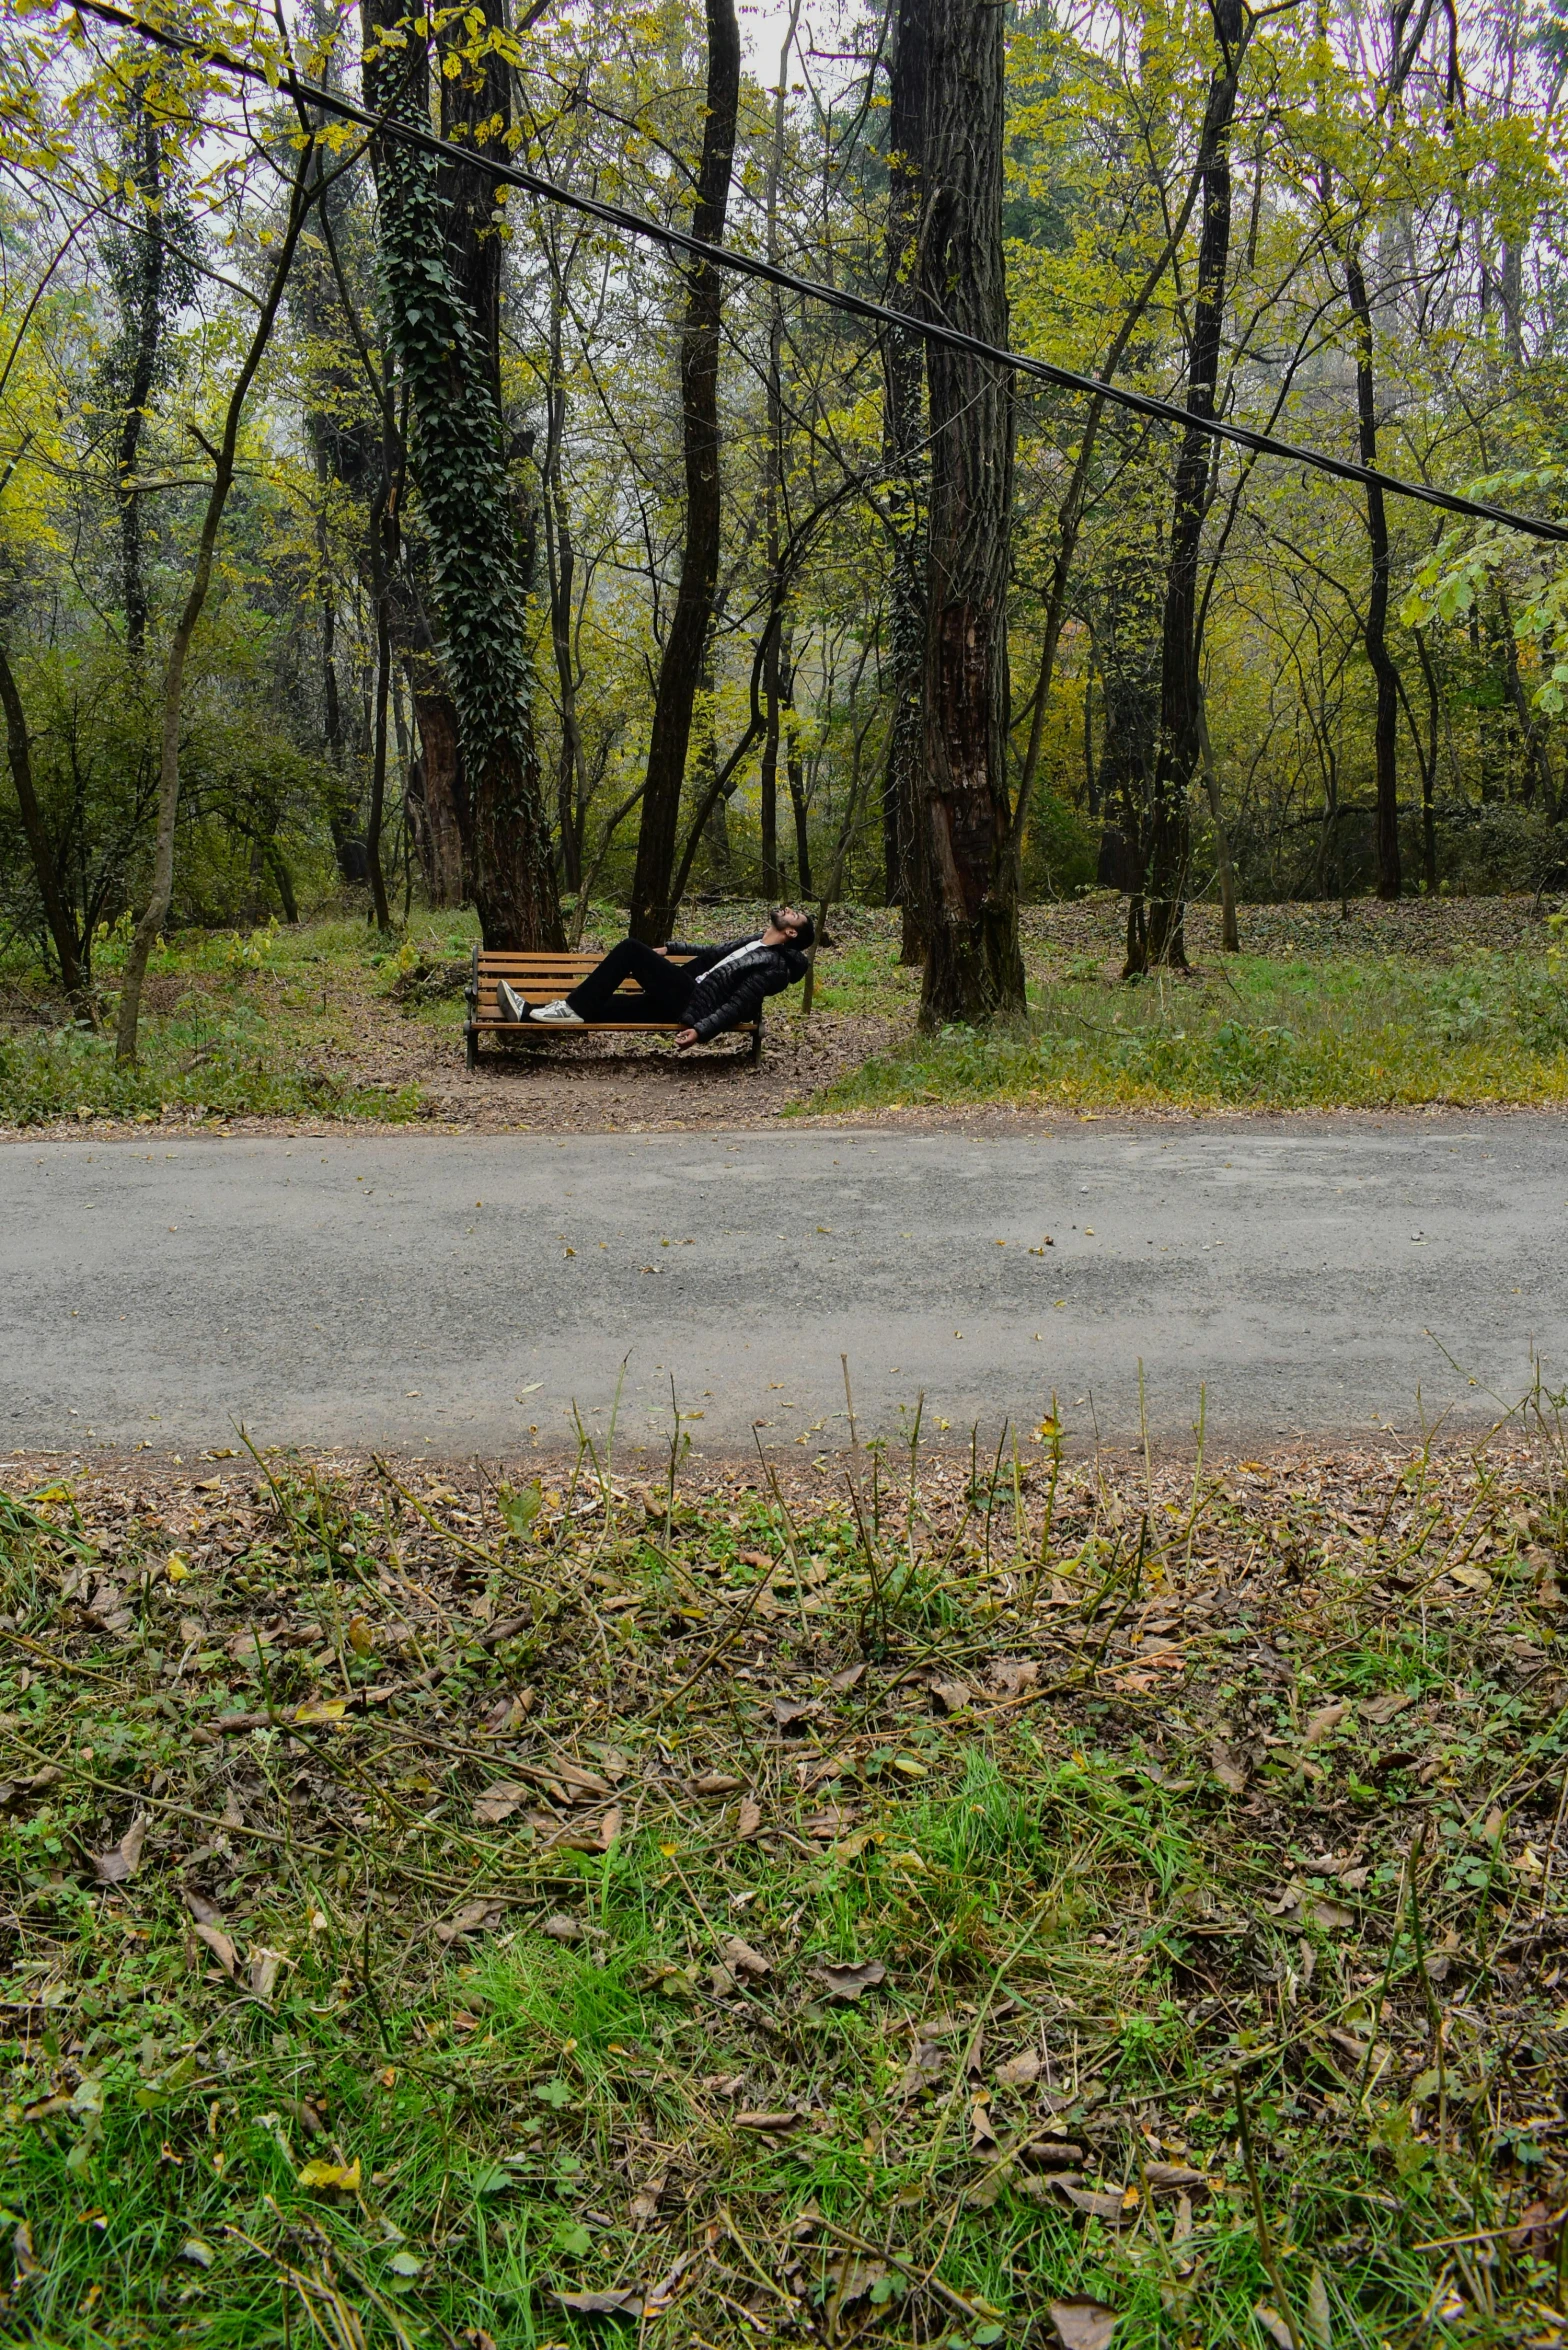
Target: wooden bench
x,y
543,977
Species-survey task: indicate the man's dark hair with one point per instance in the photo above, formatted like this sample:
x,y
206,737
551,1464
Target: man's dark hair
x,y
805,934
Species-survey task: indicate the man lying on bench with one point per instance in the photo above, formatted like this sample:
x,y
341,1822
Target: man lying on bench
x,y
720,987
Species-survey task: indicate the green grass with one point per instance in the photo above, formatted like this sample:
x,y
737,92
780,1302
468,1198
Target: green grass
x,y
326,1020
1101,1812
1367,1033
264,1024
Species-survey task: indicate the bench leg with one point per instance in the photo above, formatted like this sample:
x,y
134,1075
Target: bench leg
x,y
471,1047
756,1043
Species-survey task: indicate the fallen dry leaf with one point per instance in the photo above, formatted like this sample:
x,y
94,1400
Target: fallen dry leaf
x,y
475,1917
218,1943
1229,1772
1167,2178
205,1912
602,2304
981,2128
264,1965
113,1867
1274,2326
740,1954
715,1783
848,1982
787,1711
1096,2202
1013,1675
1326,1718
561,1928
1320,2323
343,2175
497,1803
1019,2071
1083,2324
951,1696
766,2121
645,2203
923,2068
609,1827
750,1819
1384,1708
848,1679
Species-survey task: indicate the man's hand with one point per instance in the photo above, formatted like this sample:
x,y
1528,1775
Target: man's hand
x,y
661,950
685,1038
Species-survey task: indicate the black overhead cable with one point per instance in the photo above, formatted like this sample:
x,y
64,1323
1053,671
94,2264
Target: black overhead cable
x,y
633,224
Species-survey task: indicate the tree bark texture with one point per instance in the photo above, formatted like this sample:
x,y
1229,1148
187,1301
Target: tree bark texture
x,y
1375,631
969,906
142,274
681,667
442,331
561,564
442,821
1154,921
68,947
904,458
476,113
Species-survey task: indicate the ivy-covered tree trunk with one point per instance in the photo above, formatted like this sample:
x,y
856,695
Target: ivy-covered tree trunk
x,y
903,454
138,265
968,896
681,667
458,457
1156,910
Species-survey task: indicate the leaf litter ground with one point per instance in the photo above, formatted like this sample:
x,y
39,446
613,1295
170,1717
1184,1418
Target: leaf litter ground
x,y
954,1901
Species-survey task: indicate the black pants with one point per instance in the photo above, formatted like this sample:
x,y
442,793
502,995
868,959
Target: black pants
x,y
666,988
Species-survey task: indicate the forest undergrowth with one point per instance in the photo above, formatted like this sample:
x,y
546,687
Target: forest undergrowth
x,y
1424,1002
956,1899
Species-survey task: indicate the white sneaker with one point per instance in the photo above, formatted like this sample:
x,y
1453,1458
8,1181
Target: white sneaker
x,y
509,1003
559,1014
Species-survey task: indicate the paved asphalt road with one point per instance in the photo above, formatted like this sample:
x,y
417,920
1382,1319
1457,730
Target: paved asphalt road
x,y
462,1293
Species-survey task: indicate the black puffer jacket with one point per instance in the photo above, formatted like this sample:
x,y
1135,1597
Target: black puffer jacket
x,y
731,998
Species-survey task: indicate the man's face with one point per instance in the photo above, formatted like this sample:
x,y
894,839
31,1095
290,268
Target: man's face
x,y
787,918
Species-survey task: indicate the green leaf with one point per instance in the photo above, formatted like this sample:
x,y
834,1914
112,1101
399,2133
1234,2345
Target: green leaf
x,y
520,1509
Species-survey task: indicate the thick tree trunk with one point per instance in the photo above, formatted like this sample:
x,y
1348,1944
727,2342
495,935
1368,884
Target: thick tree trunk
x,y
969,907
443,798
770,760
681,667
903,453
1154,922
1375,632
476,113
561,565
144,287
46,871
156,911
445,334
